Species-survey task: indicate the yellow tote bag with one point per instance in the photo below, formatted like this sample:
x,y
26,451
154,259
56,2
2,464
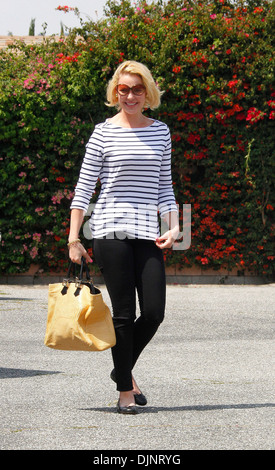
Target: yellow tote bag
x,y
78,318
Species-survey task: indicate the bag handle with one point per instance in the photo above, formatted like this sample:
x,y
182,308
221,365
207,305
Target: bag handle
x,y
72,269
84,266
79,280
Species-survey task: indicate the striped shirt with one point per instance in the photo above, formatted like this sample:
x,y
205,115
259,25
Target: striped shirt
x,y
134,169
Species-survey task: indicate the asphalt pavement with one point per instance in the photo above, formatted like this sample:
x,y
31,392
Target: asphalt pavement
x,y
208,375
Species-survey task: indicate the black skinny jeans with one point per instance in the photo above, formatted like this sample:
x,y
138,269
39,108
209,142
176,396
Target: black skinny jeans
x,y
129,266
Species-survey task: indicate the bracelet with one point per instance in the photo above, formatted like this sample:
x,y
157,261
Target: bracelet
x,y
73,242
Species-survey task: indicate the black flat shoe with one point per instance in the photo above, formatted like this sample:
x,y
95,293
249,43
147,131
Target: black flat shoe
x,y
126,410
113,375
140,399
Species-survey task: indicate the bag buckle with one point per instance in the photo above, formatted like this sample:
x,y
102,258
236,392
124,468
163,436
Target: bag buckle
x,y
78,283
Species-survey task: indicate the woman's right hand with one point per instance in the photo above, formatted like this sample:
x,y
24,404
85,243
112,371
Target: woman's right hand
x,y
76,251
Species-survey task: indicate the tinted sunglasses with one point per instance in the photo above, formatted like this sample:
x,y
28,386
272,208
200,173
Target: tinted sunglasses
x,y
124,90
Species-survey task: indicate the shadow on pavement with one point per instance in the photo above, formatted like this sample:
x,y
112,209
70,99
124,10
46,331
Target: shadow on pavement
x,y
156,409
6,373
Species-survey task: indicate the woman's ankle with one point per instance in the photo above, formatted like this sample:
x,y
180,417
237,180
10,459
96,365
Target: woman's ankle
x,y
136,388
127,398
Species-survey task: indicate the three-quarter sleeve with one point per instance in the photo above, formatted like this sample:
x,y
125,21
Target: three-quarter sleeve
x,y
89,172
166,198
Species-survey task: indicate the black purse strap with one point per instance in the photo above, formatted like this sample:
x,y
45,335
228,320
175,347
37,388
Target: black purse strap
x,y
79,280
83,267
71,274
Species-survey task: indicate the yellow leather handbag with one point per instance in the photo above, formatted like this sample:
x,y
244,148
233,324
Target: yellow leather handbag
x,y
78,318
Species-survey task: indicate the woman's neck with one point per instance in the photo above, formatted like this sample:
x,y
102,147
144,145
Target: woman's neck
x,y
131,121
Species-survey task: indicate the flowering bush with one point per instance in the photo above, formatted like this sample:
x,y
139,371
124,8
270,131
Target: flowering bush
x,y
45,122
215,63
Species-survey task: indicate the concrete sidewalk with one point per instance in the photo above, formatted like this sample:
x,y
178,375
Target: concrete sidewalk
x,y
208,375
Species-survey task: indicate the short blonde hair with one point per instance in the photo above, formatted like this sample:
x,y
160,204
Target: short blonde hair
x,y
153,94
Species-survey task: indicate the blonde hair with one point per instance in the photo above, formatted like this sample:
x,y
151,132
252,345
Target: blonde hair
x,y
153,94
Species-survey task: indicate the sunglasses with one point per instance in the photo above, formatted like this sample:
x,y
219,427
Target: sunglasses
x,y
124,90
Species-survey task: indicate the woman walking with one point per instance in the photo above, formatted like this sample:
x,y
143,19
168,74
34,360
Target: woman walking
x,y
131,155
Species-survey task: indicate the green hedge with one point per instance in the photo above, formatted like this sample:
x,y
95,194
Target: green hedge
x,y
215,62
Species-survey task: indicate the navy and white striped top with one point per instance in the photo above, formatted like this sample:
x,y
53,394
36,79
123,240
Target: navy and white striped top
x,y
134,168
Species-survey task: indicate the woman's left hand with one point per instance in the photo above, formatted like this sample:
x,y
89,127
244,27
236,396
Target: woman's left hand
x,y
167,239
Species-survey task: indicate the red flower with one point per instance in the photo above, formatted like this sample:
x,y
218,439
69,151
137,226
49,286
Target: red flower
x,y
66,9
121,59
192,138
176,137
61,58
254,115
232,83
258,10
